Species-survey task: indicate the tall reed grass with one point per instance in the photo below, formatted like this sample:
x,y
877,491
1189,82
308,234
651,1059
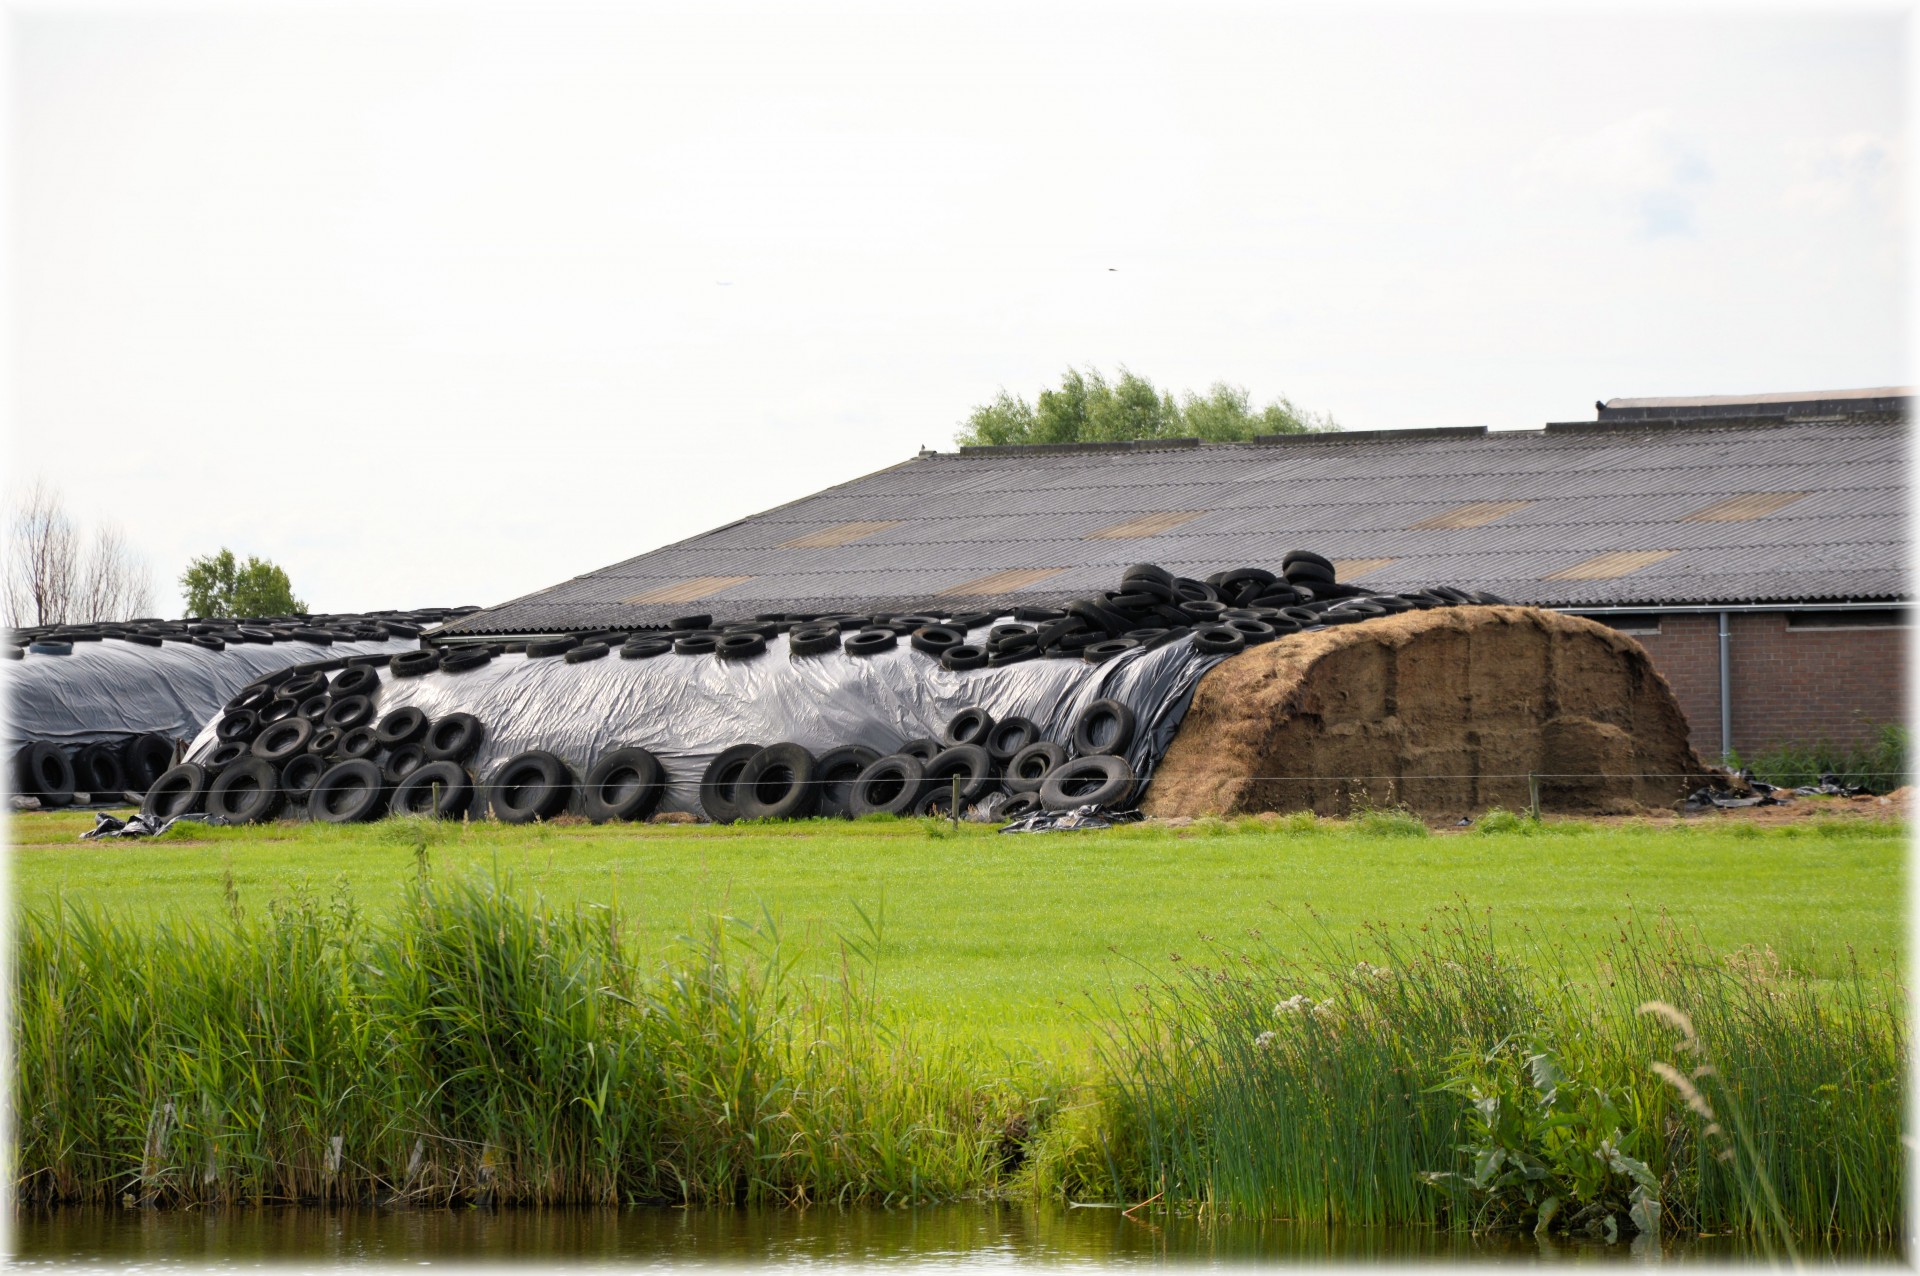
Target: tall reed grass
x,y
1428,1076
481,1046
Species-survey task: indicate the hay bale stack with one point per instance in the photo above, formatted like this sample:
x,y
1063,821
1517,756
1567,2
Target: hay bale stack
x,y
1444,711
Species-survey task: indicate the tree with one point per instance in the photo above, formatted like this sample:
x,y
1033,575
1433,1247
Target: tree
x,y
1086,408
54,575
217,585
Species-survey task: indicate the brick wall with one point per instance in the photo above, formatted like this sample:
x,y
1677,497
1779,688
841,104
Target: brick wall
x,y
1789,685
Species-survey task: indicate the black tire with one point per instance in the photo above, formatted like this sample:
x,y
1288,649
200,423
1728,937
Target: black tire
x,y
351,712
696,645
454,738
1148,572
719,785
280,708
1020,806
181,790
936,639
402,762
834,773
871,642
355,680
1255,631
224,755
1100,779
891,786
1293,556
1105,726
969,726
144,759
248,792
325,743
1309,573
1008,737
813,640
1011,656
534,785
1029,768
415,795
626,784
645,648
281,740
349,792
544,647
298,775
314,709
1100,652
360,742
740,646
690,622
970,763
778,784
461,659
241,724
303,685
923,748
964,657
403,726
1219,640
413,664
587,651
97,770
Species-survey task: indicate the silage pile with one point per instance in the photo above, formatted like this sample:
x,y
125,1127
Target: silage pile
x,y
1446,712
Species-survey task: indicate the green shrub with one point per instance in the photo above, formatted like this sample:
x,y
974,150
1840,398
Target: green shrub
x,y
480,1046
1344,1082
1879,766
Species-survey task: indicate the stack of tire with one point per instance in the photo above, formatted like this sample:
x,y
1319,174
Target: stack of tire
x,y
299,741
103,770
977,760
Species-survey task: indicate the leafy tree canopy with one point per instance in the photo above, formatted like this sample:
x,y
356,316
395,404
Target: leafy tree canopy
x,y
1087,408
217,585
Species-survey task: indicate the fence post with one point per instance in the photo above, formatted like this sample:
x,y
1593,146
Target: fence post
x,y
953,804
1533,795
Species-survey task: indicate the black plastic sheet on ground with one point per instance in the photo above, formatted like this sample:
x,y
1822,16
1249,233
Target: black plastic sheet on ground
x,y
687,709
107,690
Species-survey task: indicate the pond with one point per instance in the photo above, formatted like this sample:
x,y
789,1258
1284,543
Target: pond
x,y
961,1235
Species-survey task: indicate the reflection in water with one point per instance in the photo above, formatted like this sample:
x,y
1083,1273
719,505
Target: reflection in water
x,y
987,1234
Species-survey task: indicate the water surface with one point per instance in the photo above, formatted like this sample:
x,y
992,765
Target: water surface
x,y
963,1235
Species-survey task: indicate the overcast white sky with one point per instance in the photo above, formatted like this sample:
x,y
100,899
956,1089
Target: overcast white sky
x,y
444,305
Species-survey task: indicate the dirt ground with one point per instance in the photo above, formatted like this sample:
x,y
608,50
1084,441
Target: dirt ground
x,y
1894,806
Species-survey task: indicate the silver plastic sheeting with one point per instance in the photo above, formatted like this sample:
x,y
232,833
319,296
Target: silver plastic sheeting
x,y
111,689
687,709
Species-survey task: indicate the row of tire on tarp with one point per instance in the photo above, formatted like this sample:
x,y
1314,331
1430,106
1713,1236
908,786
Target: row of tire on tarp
x,y
331,761
217,633
302,743
1224,614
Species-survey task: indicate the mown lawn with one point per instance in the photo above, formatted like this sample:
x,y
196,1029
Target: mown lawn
x,y
1000,935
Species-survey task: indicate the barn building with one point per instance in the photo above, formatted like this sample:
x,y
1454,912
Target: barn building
x,y
1756,546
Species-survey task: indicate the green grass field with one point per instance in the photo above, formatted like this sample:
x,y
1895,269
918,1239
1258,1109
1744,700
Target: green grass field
x,y
1000,936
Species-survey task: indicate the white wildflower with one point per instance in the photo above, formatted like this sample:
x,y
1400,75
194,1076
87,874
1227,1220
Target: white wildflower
x,y
1265,1040
1325,1010
1294,1005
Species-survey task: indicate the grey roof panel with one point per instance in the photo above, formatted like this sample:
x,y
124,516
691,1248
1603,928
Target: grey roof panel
x,y
1589,491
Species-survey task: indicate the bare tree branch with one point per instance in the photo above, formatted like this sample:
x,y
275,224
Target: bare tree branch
x,y
46,579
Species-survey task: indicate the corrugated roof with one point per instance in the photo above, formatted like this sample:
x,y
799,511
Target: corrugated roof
x,y
1576,494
